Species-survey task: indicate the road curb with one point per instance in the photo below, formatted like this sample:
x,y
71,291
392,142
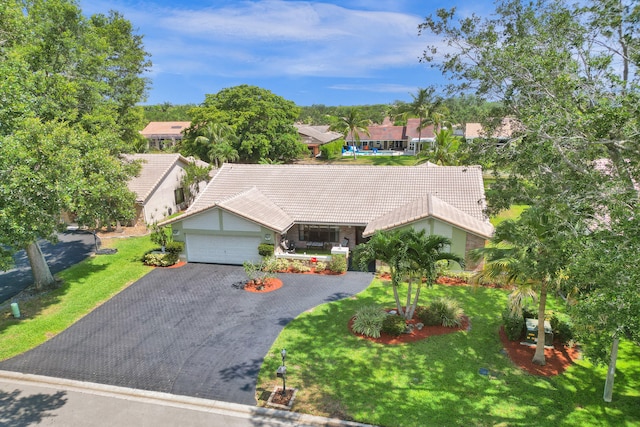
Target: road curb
x,y
184,402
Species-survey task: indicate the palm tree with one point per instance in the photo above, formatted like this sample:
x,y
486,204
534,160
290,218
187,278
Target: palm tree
x,y
446,145
390,248
223,152
424,253
425,107
211,135
526,253
354,124
408,253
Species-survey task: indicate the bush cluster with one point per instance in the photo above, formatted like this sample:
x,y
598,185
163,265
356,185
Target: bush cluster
x,y
368,320
513,324
332,150
160,259
174,247
562,328
338,263
272,264
441,311
298,266
265,249
394,325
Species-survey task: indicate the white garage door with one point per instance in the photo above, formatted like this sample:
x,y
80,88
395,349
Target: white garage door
x,y
222,249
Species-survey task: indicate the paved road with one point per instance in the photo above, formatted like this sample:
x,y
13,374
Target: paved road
x,y
73,247
185,331
26,400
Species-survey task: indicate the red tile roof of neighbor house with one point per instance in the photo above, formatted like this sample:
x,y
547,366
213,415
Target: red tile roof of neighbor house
x,y
164,129
385,196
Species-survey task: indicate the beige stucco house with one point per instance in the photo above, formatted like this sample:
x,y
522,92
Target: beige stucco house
x,y
329,205
158,186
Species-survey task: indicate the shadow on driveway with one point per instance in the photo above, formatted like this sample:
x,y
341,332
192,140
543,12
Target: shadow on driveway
x,y
185,331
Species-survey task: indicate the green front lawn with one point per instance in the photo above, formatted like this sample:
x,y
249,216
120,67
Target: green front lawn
x,y
437,381
84,287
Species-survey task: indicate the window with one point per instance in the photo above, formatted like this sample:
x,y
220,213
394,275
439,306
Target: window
x,y
318,233
179,195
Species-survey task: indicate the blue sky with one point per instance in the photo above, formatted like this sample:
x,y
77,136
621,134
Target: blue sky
x,y
349,52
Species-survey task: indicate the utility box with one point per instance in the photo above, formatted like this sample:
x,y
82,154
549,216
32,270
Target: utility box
x,y
532,332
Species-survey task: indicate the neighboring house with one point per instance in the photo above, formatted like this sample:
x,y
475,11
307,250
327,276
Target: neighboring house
x,y
164,134
390,137
158,186
502,133
328,205
316,136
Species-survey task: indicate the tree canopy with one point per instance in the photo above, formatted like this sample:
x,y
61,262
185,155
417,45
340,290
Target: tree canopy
x,y
568,76
261,121
69,84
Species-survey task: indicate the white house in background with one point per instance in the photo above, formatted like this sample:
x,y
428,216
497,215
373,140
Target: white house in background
x,y
158,186
327,205
164,134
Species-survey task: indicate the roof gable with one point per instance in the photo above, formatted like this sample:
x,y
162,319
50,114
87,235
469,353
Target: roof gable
x,y
154,168
255,206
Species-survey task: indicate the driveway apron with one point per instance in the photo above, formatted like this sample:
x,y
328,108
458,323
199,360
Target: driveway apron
x,y
186,331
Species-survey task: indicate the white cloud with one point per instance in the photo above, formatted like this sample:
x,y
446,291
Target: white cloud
x,y
276,38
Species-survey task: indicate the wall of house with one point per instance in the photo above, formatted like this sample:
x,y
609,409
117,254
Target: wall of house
x,y
474,242
457,236
222,223
162,201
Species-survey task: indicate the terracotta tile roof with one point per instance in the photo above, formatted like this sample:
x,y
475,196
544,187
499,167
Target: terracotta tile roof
x,y
164,129
413,132
317,134
154,168
426,207
504,131
256,207
350,195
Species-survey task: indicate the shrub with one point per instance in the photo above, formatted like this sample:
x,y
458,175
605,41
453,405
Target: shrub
x,y
513,324
428,317
332,150
175,247
394,325
299,267
338,263
272,264
448,310
561,326
321,266
160,259
368,320
265,249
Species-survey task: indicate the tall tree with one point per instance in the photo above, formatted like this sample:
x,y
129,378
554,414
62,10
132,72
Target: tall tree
x,y
444,149
261,120
528,253
68,85
569,78
351,124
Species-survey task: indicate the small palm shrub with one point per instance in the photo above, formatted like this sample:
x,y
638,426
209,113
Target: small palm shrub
x,y
513,324
394,325
428,317
368,320
448,310
338,263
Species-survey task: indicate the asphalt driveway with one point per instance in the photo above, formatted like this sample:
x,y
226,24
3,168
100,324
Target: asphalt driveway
x,y
72,247
185,331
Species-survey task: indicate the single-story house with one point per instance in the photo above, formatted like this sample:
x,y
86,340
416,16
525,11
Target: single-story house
x,y
158,186
164,134
387,136
329,205
316,136
502,133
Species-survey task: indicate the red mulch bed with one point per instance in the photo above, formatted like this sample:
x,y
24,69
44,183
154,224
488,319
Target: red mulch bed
x,y
269,285
415,335
558,358
177,264
325,272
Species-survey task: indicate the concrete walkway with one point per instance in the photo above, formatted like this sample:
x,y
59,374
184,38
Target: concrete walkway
x,y
27,400
186,331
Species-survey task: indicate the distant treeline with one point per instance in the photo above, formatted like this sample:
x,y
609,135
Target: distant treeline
x,y
463,109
